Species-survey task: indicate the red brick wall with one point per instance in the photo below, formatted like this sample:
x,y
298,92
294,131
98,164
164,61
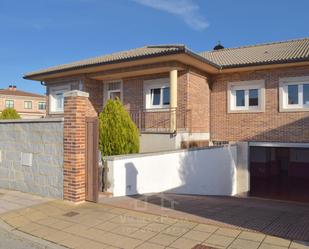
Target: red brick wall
x,y
95,90
198,101
270,125
74,148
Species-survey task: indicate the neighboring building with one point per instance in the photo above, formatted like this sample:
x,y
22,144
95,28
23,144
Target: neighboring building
x,y
28,105
257,94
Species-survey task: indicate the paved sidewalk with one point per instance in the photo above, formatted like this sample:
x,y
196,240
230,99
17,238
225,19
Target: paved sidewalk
x,y
278,218
91,226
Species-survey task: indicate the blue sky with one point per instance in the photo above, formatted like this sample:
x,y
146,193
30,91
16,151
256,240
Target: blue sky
x,y
39,33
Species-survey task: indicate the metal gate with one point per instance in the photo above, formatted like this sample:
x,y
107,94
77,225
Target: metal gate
x,y
92,156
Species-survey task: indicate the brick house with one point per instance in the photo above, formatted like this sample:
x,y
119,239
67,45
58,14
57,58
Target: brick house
x,y
258,94
28,105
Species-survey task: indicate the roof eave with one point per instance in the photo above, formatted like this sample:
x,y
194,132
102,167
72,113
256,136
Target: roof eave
x,y
40,76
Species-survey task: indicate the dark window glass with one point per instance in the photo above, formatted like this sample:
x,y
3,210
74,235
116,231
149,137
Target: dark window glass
x,y
240,97
166,96
253,97
42,106
306,94
156,93
293,94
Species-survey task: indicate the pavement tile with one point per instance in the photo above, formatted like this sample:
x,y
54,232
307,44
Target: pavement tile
x,y
43,232
163,239
149,245
206,228
75,242
61,224
244,244
186,224
156,227
124,230
17,221
29,227
228,232
197,235
299,245
107,226
76,229
268,246
175,230
57,236
276,241
258,237
184,243
120,241
219,240
143,234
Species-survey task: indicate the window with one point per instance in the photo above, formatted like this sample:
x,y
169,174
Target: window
x,y
157,93
9,104
246,96
294,94
56,98
28,104
42,106
113,90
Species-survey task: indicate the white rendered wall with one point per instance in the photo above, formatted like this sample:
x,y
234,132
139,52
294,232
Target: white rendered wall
x,y
210,171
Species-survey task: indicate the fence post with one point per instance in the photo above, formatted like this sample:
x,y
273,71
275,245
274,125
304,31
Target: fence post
x,y
74,168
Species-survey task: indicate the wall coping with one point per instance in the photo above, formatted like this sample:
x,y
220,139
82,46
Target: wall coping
x,y
76,93
137,155
38,120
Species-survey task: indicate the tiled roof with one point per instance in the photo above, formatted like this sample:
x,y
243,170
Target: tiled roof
x,y
268,53
136,53
19,93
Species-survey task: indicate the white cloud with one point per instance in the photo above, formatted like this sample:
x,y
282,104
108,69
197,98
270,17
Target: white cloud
x,y
185,9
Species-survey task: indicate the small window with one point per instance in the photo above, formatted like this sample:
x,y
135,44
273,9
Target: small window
x,y
113,89
246,96
28,104
294,94
9,104
253,97
42,106
166,96
306,94
56,102
240,98
157,93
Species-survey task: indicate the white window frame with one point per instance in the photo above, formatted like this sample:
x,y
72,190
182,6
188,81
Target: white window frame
x,y
107,92
25,106
153,84
53,90
284,105
246,86
41,102
11,100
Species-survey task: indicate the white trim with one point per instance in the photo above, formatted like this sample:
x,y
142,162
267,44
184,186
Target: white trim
x,y
284,106
246,86
284,145
153,84
106,92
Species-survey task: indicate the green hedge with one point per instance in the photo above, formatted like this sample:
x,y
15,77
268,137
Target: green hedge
x,y
9,113
118,133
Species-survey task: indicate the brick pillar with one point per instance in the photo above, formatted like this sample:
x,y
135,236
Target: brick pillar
x,y
75,109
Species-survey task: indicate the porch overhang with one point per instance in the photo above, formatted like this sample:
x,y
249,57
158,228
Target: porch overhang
x,y
136,67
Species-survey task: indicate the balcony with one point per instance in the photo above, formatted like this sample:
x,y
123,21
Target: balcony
x,y
161,120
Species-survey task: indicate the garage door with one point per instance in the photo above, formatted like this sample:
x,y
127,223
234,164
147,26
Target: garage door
x,y
279,173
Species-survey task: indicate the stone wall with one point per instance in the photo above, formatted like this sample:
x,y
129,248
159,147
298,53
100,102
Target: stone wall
x,y
40,139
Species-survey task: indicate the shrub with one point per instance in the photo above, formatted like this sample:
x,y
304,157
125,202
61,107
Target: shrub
x,y
117,133
9,113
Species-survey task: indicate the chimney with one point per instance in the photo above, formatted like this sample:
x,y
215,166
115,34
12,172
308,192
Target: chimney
x,y
14,88
218,46
10,87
